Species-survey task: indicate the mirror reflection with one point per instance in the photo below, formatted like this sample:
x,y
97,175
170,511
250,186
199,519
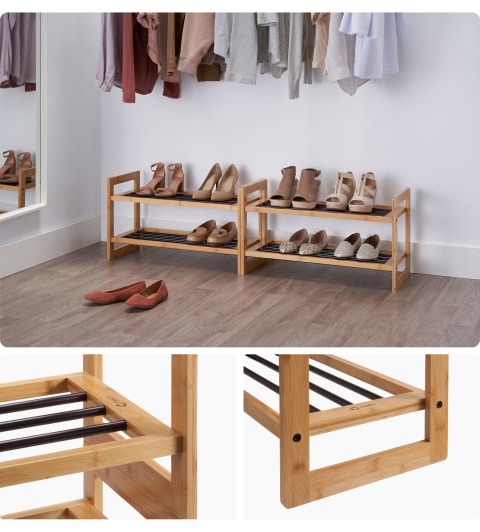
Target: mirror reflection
x,y
18,111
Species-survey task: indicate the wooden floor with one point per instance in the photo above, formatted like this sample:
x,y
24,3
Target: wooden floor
x,y
279,305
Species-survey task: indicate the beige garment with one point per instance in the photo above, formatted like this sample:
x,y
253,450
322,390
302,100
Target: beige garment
x,y
197,39
322,22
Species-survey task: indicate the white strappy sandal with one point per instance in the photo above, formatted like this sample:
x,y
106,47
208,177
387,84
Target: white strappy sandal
x,y
365,194
342,192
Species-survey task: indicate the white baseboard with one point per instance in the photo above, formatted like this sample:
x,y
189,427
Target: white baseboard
x,y
29,252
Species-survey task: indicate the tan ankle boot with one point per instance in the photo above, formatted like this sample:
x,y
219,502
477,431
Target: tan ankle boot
x,y
286,190
308,190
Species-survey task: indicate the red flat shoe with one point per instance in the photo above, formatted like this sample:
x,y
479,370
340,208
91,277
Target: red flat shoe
x,y
150,297
113,296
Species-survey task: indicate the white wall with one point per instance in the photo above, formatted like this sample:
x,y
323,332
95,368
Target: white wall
x,y
418,128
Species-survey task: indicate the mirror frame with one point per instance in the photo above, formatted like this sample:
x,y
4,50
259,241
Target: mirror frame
x,y
41,124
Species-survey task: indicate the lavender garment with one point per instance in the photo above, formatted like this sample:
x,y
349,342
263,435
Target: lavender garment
x,y
18,48
376,46
109,66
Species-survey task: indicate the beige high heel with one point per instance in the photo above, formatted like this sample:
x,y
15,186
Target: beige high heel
x,y
157,181
25,159
226,186
206,188
10,164
342,192
365,194
176,182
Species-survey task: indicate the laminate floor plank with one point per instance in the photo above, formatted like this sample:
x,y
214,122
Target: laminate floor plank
x,y
281,304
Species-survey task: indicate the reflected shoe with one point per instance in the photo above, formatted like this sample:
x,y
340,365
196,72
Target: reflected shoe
x,y
9,166
226,186
223,235
113,296
370,249
202,232
25,164
347,248
157,181
342,192
206,188
318,241
286,190
151,296
292,245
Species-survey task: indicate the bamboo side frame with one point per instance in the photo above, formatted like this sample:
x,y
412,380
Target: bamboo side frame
x,y
126,465
294,426
22,185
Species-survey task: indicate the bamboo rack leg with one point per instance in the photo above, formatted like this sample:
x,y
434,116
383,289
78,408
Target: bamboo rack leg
x,y
436,406
184,420
92,484
294,430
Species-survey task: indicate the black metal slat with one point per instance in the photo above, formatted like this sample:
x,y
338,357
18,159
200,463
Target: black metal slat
x,y
346,384
70,434
56,417
262,380
60,399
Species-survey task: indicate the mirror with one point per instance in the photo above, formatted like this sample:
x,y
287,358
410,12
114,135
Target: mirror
x,y
20,190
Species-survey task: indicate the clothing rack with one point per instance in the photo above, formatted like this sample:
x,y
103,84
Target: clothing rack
x,y
120,440
297,420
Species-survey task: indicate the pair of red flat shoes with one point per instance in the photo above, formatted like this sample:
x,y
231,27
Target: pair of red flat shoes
x,y
136,295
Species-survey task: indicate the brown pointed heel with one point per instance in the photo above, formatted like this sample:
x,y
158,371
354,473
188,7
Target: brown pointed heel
x,y
226,186
206,188
25,159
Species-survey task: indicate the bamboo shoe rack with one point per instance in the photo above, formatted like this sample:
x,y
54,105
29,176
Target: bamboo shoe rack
x,y
121,443
297,421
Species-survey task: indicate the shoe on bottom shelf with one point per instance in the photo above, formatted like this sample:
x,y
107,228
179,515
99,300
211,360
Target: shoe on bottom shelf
x,y
118,294
293,244
151,296
370,248
202,232
318,241
223,235
347,248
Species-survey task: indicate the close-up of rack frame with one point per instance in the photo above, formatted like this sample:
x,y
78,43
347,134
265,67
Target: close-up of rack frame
x,y
299,418
121,442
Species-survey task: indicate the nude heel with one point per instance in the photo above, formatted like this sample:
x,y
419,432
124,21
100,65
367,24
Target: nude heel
x,y
226,186
365,194
205,190
157,181
342,192
25,159
176,182
10,164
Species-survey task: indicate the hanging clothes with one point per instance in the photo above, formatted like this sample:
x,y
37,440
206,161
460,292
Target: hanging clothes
x,y
300,52
376,45
197,38
273,50
236,40
109,66
340,57
322,23
139,72
18,57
